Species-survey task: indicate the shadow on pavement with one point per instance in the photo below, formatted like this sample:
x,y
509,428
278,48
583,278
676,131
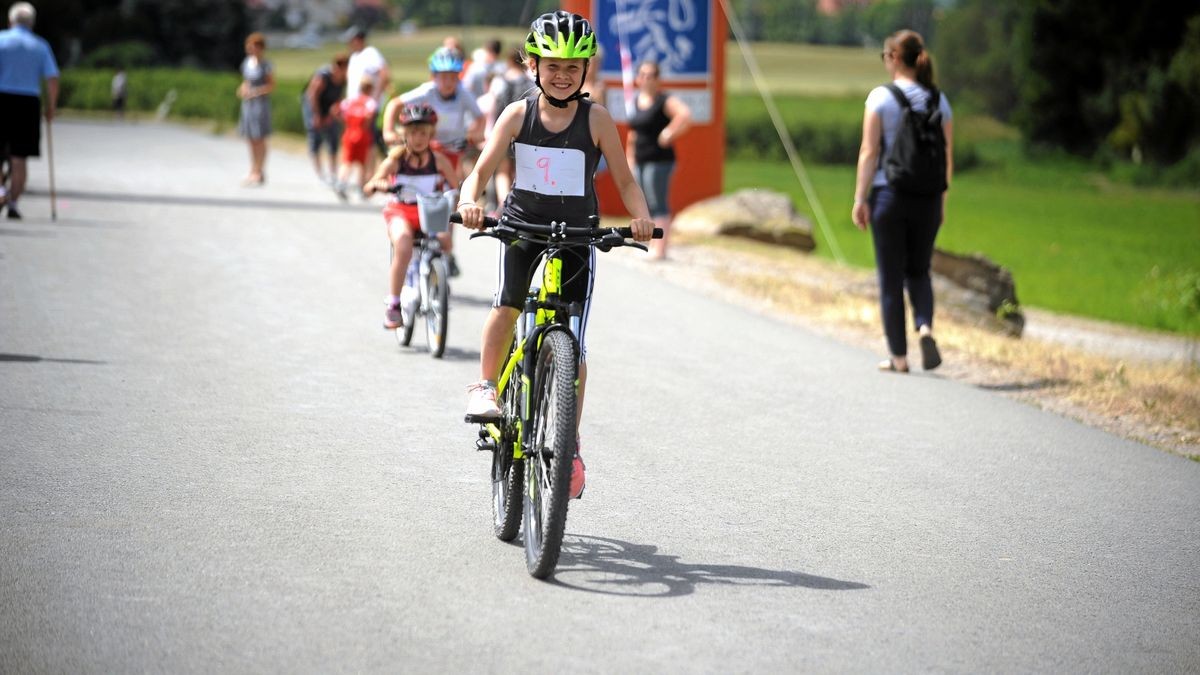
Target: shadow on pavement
x,y
6,232
188,200
614,567
30,358
1031,385
456,354
470,301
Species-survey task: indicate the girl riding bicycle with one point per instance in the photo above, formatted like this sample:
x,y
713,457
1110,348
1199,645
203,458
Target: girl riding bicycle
x,y
558,138
414,165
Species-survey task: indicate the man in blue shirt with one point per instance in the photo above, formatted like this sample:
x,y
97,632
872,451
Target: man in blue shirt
x,y
25,60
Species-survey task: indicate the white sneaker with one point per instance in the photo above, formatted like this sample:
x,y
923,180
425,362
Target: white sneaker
x,y
410,302
481,401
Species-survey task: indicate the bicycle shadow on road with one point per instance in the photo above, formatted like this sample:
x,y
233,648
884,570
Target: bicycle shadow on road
x,y
33,358
614,567
213,201
451,353
470,301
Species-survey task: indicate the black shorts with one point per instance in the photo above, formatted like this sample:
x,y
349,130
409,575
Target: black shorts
x,y
518,262
20,125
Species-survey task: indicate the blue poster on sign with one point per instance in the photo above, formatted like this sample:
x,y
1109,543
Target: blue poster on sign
x,y
674,33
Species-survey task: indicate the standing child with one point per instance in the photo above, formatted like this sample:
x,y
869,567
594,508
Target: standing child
x,y
421,170
358,114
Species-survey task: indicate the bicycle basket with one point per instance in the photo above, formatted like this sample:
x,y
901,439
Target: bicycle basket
x,y
434,211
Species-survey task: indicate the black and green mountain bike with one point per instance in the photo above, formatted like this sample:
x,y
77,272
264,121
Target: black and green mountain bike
x,y
533,442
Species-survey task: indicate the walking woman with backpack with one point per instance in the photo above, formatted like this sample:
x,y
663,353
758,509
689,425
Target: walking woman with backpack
x,y
904,168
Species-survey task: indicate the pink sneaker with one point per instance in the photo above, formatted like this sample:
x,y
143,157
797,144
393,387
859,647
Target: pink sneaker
x,y
578,475
392,317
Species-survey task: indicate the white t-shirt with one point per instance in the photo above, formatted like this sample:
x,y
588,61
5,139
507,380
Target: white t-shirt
x,y
455,115
366,62
881,101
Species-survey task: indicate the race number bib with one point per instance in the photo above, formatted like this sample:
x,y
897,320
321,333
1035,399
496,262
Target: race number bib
x,y
550,171
416,185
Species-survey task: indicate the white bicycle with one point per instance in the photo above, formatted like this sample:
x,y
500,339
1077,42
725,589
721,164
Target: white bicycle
x,y
426,292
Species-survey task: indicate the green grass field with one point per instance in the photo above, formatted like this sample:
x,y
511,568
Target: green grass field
x,y
1074,243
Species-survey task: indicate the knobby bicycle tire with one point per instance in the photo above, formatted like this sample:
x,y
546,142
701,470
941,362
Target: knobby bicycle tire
x,y
437,316
549,453
508,474
404,333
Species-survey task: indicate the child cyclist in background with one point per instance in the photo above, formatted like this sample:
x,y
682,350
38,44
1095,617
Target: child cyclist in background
x,y
421,170
358,115
548,188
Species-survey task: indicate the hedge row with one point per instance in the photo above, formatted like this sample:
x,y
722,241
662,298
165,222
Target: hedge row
x,y
824,130
198,95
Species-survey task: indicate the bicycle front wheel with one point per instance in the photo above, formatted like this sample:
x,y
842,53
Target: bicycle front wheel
x,y
549,454
437,315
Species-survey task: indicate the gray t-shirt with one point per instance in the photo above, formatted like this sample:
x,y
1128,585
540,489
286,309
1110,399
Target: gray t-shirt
x,y
881,101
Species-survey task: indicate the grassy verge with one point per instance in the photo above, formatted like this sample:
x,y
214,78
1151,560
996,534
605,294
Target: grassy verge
x,y
1075,243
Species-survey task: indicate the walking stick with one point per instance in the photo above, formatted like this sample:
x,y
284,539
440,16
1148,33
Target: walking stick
x,y
50,152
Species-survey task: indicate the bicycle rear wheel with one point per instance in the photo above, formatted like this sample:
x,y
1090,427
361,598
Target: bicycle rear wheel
x,y
549,453
437,314
404,333
508,476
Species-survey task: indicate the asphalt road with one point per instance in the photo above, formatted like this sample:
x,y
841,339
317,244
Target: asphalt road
x,y
213,459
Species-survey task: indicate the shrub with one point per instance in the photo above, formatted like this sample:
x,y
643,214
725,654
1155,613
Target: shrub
x,y
824,130
198,94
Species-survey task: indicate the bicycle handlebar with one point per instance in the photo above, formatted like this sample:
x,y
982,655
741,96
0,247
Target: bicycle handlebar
x,y
555,230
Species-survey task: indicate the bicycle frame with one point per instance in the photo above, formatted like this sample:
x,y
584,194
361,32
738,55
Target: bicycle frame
x,y
425,250
540,315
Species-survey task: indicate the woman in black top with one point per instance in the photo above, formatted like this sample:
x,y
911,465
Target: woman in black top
x,y
658,120
319,106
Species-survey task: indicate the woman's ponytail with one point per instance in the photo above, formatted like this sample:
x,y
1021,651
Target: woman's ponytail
x,y
911,51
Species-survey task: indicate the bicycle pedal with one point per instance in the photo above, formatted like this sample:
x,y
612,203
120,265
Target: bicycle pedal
x,y
485,446
480,419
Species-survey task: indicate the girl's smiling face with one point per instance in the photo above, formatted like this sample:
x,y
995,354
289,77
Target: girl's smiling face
x,y
560,77
417,136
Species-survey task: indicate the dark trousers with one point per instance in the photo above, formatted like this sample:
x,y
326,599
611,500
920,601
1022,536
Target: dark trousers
x,y
903,228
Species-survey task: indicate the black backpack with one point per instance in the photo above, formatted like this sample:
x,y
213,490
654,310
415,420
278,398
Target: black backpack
x,y
916,162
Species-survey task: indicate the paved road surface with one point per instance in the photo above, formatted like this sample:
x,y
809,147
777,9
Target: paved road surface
x,y
212,459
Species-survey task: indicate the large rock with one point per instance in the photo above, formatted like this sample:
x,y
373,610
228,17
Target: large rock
x,y
981,287
761,215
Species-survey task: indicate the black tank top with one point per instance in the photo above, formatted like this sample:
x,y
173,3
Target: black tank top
x,y
648,124
331,93
408,175
536,207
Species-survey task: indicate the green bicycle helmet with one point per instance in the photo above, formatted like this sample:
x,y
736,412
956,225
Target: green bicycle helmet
x,y
561,35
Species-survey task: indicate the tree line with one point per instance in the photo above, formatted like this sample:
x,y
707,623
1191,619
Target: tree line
x,y
1108,80
1095,79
